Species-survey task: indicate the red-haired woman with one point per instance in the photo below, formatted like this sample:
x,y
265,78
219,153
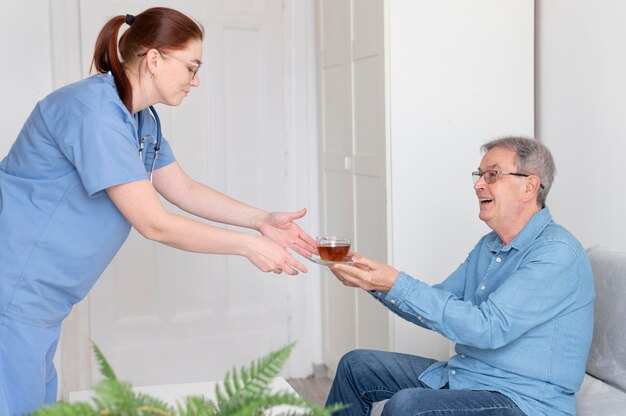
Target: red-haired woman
x,y
90,163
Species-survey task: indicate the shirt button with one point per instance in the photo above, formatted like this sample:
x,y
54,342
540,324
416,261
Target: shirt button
x,y
453,372
393,301
379,293
498,259
420,318
483,287
462,355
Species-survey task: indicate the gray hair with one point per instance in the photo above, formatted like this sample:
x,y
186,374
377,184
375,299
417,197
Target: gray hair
x,y
532,158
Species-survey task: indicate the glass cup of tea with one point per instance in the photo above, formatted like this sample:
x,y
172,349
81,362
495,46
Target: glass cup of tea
x,y
332,247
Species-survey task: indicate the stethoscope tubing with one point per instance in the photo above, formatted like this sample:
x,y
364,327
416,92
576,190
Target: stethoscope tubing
x,y
142,139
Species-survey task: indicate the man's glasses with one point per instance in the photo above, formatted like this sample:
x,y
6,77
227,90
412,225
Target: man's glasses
x,y
191,66
491,176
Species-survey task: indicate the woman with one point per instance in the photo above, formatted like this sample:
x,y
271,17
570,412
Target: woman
x,y
90,163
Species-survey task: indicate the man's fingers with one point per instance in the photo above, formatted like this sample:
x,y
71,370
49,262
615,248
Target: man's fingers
x,y
347,270
364,261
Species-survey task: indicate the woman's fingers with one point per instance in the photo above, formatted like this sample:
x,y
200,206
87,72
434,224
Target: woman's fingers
x,y
304,251
297,215
296,267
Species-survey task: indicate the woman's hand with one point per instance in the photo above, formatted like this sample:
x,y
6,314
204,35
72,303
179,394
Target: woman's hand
x,y
140,205
366,274
268,256
280,227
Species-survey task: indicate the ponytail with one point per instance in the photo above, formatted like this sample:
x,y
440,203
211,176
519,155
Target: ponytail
x,y
158,28
106,58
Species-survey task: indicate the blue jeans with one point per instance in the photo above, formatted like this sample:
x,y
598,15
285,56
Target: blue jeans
x,y
366,376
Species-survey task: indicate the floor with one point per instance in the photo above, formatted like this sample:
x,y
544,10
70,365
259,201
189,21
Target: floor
x,y
314,389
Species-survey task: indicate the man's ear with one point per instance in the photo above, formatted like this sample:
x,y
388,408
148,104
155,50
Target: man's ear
x,y
532,186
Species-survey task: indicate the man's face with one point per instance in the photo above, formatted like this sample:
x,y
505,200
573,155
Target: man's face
x,y
500,202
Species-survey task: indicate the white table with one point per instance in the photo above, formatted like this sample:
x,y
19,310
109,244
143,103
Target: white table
x,y
173,393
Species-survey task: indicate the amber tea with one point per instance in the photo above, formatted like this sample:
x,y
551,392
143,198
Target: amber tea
x,y
332,248
333,253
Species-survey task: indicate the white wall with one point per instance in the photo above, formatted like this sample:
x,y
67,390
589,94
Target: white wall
x,y
448,96
26,73
581,114
460,75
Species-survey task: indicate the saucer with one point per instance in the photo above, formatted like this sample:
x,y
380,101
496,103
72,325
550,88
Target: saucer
x,y
318,260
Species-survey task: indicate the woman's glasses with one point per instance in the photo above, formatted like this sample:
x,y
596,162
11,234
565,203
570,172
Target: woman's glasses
x,y
191,66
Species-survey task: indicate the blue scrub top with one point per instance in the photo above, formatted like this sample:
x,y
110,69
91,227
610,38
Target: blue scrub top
x,y
58,228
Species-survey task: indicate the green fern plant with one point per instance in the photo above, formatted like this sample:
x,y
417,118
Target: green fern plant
x,y
242,393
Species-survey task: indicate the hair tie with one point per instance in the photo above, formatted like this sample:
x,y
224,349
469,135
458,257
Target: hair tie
x,y
130,19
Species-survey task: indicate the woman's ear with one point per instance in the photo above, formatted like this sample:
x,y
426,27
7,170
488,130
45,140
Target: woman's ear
x,y
152,60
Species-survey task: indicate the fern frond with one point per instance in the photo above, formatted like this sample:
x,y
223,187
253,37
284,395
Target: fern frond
x,y
311,410
255,382
220,398
243,393
296,406
158,406
197,406
117,398
105,368
228,386
66,409
113,395
256,405
316,410
237,381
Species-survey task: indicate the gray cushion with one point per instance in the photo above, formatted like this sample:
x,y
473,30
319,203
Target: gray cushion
x,y
607,358
377,408
596,398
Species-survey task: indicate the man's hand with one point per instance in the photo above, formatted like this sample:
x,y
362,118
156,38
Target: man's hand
x,y
366,274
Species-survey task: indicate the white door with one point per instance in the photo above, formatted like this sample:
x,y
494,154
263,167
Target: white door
x,y
165,316
352,124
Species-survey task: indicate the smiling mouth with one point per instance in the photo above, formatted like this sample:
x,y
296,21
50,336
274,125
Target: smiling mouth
x,y
485,201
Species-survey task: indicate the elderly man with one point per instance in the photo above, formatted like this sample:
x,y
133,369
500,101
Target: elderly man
x,y
519,308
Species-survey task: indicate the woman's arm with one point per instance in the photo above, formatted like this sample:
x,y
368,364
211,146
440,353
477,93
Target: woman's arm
x,y
200,200
140,205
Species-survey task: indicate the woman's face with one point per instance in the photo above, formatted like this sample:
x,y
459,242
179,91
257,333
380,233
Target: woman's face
x,y
178,72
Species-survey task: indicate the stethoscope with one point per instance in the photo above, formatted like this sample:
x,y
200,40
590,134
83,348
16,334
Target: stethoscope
x,y
142,139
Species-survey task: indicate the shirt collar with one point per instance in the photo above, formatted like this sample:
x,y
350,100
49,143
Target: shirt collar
x,y
529,233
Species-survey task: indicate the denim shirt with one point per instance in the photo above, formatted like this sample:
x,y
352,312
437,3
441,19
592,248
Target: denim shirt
x,y
521,316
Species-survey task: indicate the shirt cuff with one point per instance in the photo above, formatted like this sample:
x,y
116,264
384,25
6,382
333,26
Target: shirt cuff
x,y
400,288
